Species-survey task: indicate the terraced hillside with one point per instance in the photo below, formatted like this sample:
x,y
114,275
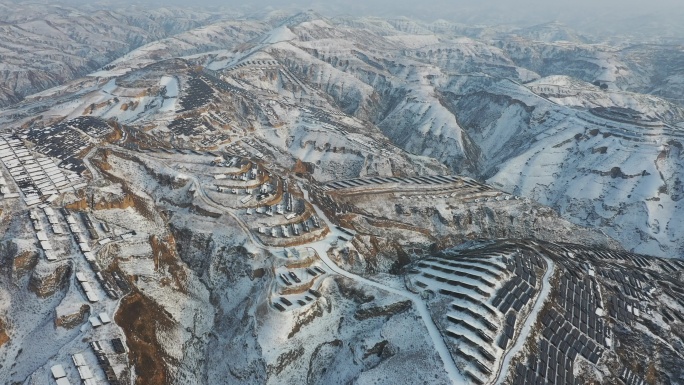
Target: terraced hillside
x,y
304,200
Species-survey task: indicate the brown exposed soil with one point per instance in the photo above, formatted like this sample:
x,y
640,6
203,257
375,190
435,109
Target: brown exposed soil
x,y
118,203
79,205
4,338
306,262
285,359
115,135
166,258
140,317
24,262
138,203
349,290
258,273
377,349
383,311
44,285
303,167
298,289
70,321
306,318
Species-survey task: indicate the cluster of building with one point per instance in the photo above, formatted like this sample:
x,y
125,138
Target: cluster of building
x,y
291,229
104,362
284,303
90,125
83,369
196,94
88,289
84,372
38,179
61,141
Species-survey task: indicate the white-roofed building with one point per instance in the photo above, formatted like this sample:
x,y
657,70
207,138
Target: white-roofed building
x,y
79,360
58,371
50,255
85,372
45,245
104,318
92,296
95,322
86,286
90,257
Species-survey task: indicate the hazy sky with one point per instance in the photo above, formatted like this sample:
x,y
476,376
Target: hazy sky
x,y
432,6
620,15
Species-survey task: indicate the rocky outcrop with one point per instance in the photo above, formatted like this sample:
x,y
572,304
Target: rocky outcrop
x,y
72,316
24,262
47,279
4,337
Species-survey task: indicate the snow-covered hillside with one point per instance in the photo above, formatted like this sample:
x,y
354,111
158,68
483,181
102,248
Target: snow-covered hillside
x,y
296,199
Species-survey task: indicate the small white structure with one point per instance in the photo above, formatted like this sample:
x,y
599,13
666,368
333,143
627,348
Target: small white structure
x,y
57,229
58,371
92,296
86,286
80,277
50,255
78,359
63,381
104,318
85,372
95,322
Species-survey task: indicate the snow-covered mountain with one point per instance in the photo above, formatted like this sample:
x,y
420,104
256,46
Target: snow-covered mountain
x,y
45,45
294,198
